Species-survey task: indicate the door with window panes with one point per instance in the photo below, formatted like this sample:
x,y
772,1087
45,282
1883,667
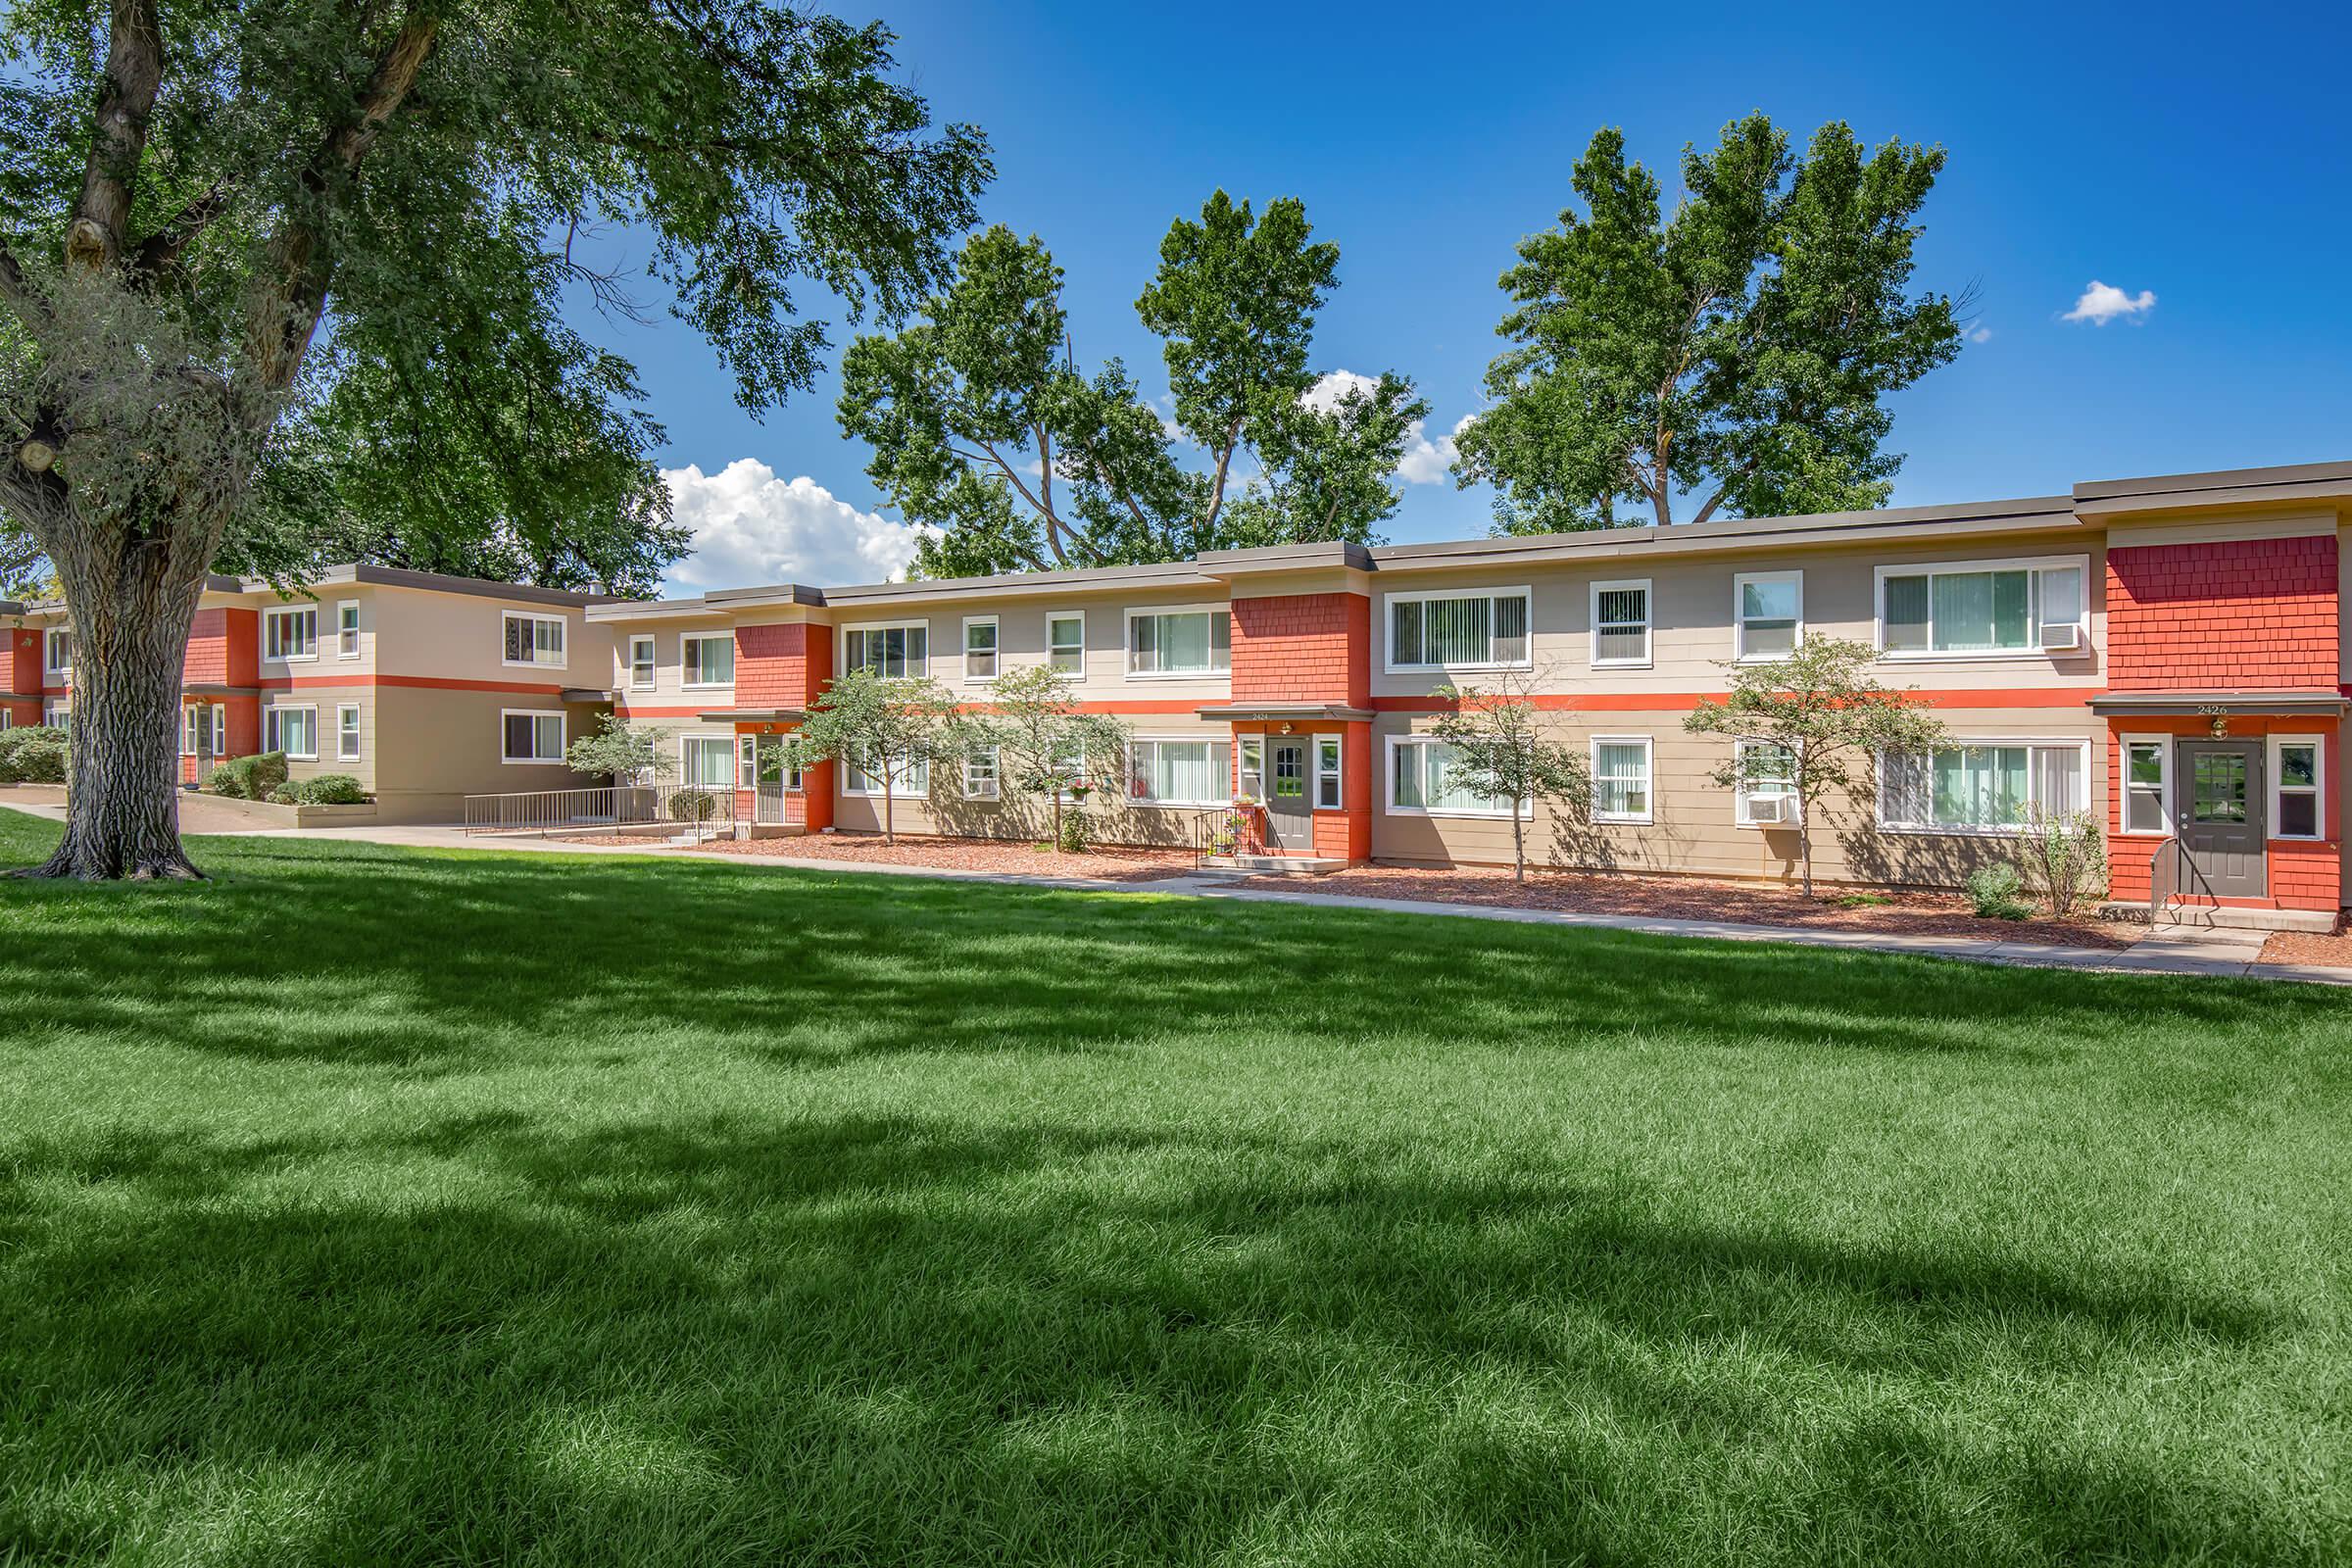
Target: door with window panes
x,y
2224,818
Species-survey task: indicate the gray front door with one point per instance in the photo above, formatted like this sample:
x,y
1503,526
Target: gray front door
x,y
1289,823
2224,800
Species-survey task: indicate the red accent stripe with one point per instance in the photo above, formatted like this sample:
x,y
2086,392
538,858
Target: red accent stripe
x,y
1678,702
435,683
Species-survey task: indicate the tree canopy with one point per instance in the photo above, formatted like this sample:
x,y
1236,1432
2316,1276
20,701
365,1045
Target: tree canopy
x,y
1737,349
983,425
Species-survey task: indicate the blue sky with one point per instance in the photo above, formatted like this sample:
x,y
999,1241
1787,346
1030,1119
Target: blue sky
x,y
2204,166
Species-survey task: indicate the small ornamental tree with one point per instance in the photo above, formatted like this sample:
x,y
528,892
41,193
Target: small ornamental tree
x,y
624,749
1814,723
1505,757
1045,744
892,728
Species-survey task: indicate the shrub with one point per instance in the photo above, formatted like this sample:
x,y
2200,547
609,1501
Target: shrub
x,y
693,806
33,756
252,778
2065,858
331,789
1995,889
1074,833
285,795
222,780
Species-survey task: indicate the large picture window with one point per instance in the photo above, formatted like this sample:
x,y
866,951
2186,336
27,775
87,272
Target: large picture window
x,y
891,652
290,634
528,737
1179,642
1981,786
1179,772
905,784
1981,608
1459,631
707,761
533,640
709,658
293,731
1426,778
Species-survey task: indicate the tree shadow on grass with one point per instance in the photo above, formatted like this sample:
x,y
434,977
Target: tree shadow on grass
x,y
910,1340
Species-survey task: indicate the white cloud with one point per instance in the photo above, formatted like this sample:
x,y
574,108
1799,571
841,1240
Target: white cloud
x,y
1983,334
2102,303
751,528
1425,462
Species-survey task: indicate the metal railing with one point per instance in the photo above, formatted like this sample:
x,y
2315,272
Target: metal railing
x,y
767,801
1230,830
2164,877
704,811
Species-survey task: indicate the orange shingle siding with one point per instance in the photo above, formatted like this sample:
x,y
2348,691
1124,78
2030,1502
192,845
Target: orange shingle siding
x,y
2251,614
1302,648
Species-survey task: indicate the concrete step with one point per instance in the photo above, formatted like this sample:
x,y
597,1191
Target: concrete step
x,y
2198,917
1273,864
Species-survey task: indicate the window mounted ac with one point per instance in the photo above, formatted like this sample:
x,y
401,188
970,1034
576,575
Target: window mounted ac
x,y
1769,809
2063,637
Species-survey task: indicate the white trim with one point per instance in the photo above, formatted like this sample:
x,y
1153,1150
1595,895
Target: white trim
x,y
1739,582
347,638
562,640
1388,628
562,730
686,778
746,760
1338,772
50,637
1212,741
353,755
874,792
273,720
841,648
57,713
686,637
1934,568
1959,743
2318,791
997,652
1388,789
996,780
1741,794
1052,616
1649,777
1213,672
2167,821
653,662
272,617
1649,621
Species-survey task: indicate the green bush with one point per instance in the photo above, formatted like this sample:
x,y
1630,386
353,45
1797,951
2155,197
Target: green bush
x,y
693,806
2065,856
33,756
332,789
251,778
1995,889
285,795
221,780
1073,832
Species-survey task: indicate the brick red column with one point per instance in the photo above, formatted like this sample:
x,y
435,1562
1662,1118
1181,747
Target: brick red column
x,y
1316,647
787,666
2249,614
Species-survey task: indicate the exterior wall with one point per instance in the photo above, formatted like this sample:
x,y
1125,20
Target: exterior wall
x,y
669,699
1302,648
20,677
223,648
2302,873
426,749
2240,613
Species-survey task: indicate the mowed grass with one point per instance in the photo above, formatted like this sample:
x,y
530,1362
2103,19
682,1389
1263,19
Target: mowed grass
x,y
379,1207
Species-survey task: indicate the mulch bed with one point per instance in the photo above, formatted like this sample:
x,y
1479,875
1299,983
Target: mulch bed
x,y
1689,899
2307,947
1017,857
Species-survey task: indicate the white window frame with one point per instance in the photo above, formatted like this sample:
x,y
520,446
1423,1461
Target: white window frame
x,y
996,654
1959,743
653,662
350,753
1650,779
1244,770
1494,814
270,623
747,761
347,628
1127,646
1739,582
913,673
700,662
51,639
188,728
1741,794
562,733
874,791
686,745
273,733
1078,616
994,787
2318,789
1388,629
1127,793
56,714
1932,569
1337,772
563,658
2167,822
1649,621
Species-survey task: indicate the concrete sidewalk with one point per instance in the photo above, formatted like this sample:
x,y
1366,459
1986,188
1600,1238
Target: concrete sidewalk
x,y
2224,953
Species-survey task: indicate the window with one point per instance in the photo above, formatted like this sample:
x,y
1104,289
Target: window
x,y
56,714
1253,778
1768,609
1982,610
1621,778
347,629
1065,642
1459,631
58,660
747,761
290,634
1327,773
904,781
293,731
1981,786
707,761
980,647
1179,642
1174,772
531,737
709,658
1426,778
980,774
347,732
1621,622
1768,776
641,663
888,650
533,639
203,730
2149,784
2296,787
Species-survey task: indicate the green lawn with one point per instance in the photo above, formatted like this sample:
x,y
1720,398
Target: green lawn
x,y
380,1206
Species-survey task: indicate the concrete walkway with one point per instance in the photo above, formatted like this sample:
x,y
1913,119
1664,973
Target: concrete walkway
x,y
2184,951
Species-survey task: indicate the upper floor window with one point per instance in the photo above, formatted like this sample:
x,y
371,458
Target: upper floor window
x,y
980,647
347,629
59,658
1621,622
1983,608
1459,631
1065,642
290,634
888,650
534,639
709,658
1981,787
1190,641
1768,609
641,663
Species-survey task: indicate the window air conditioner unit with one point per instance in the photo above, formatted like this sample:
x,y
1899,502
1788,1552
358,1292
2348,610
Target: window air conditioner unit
x,y
2064,637
1768,808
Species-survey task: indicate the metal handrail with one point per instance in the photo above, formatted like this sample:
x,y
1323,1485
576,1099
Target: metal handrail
x,y
2160,893
703,810
1236,829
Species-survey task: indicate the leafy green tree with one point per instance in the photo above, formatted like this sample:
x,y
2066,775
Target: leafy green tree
x,y
1813,725
624,751
1046,745
1739,348
983,425
238,240
1506,759
894,728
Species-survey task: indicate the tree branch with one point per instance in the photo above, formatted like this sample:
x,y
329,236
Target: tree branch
x,y
162,250
1216,494
134,74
